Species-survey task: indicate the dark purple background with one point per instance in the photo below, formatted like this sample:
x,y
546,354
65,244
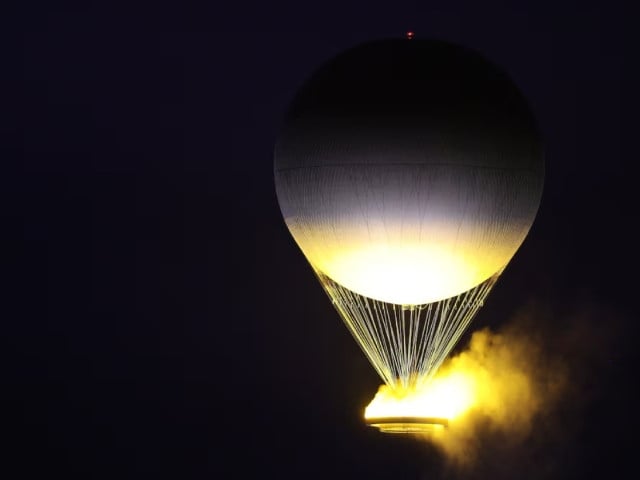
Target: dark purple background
x,y
162,323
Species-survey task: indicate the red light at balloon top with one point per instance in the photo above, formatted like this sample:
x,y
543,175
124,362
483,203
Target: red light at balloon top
x,y
410,35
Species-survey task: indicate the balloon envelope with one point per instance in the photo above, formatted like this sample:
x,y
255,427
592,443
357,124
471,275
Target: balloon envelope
x,y
409,171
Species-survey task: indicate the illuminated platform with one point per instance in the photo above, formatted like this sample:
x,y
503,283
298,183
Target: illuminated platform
x,y
407,424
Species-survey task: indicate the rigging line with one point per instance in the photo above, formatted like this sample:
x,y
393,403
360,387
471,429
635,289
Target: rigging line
x,y
418,327
428,334
453,326
413,338
397,346
453,323
355,329
443,315
385,323
366,326
433,313
404,312
406,344
373,330
397,340
423,325
427,350
391,323
467,314
376,330
403,340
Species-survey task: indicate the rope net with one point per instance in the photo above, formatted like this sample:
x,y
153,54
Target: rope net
x,y
406,344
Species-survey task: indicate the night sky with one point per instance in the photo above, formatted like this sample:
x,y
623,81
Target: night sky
x,y
162,323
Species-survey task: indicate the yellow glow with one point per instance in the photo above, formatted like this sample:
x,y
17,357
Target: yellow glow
x,y
501,380
416,268
407,275
447,397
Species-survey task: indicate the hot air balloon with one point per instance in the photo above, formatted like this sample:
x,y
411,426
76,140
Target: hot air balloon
x,y
409,172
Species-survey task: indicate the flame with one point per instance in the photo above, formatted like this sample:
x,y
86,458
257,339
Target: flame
x,y
504,385
500,381
447,396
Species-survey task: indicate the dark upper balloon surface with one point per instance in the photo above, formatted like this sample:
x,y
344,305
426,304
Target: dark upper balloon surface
x,y
409,101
